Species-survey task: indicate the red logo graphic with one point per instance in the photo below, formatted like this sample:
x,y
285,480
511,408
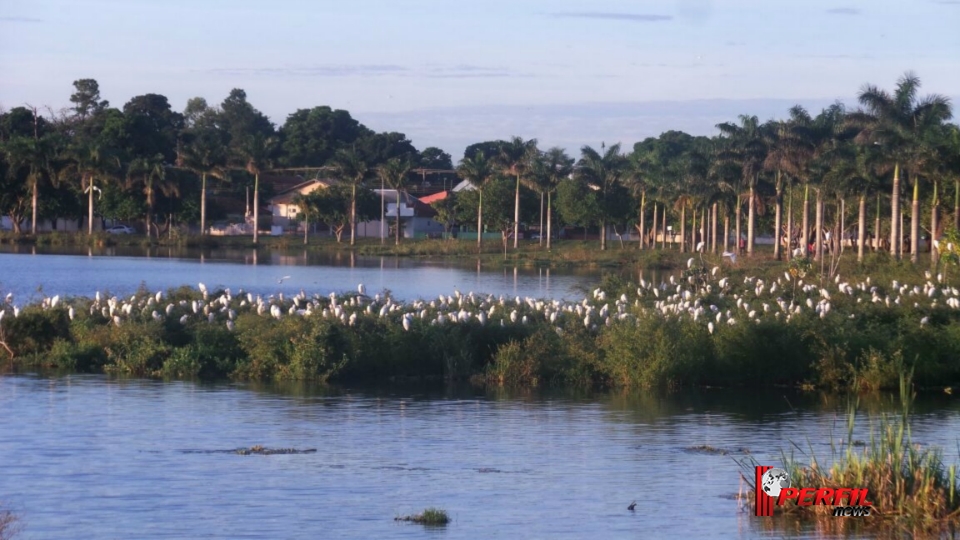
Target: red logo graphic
x,y
774,484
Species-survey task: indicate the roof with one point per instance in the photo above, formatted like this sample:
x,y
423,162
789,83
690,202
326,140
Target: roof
x,y
288,195
466,184
430,199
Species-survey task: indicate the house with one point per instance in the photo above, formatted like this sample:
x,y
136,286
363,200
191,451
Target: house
x,y
417,218
282,206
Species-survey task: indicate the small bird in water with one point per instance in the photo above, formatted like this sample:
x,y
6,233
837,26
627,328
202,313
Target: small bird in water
x,y
281,280
633,506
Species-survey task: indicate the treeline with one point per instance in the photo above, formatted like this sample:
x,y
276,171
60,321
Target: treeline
x,y
812,180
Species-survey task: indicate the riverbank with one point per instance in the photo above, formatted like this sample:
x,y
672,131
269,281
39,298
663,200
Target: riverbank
x,y
712,325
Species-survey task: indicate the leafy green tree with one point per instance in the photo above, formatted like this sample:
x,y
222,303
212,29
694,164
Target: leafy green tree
x,y
256,154
205,155
577,203
310,137
602,172
91,161
349,167
396,173
479,171
497,194
899,122
435,158
554,166
150,174
153,127
34,158
514,158
378,148
489,149
86,100
337,206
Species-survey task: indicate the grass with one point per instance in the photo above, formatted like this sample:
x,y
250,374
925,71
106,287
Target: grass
x,y
9,525
430,516
913,492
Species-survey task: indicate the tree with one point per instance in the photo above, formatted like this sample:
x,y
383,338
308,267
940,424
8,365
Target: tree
x,y
553,167
310,137
497,193
335,206
152,127
602,172
748,150
514,158
205,155
898,123
350,168
376,148
479,171
638,172
435,158
90,161
151,174
577,204
256,154
86,100
395,173
34,157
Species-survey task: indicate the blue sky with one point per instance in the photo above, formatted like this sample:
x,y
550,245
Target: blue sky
x,y
451,72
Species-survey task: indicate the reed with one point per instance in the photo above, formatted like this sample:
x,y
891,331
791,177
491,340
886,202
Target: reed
x,y
430,516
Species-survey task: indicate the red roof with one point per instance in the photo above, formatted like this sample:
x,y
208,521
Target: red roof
x,y
430,199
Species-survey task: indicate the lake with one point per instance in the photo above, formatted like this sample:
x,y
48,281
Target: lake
x,y
30,272
94,457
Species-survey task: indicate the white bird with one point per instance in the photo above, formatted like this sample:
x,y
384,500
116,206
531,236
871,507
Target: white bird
x,y
284,278
730,255
361,289
700,246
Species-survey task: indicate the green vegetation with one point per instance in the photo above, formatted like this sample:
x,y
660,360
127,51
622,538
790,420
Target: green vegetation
x,y
747,325
430,516
913,492
149,163
9,525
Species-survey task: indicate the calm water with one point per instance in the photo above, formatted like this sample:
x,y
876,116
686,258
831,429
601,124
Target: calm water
x,y
91,457
28,271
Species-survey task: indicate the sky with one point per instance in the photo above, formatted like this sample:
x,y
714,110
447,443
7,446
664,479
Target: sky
x,y
449,73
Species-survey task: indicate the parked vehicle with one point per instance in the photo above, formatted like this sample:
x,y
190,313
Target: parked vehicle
x,y
120,229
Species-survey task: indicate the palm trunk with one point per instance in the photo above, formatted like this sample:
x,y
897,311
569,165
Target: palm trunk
x,y
751,218
353,214
256,208
480,221
603,235
150,203
541,218
549,219
306,229
861,226
895,211
654,226
818,235
777,218
737,250
726,231
397,241
203,204
713,228
33,221
703,226
90,206
643,229
683,229
693,231
805,233
789,223
516,215
663,228
876,230
915,219
933,224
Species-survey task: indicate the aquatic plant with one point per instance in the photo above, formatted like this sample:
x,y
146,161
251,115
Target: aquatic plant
x,y
430,516
913,492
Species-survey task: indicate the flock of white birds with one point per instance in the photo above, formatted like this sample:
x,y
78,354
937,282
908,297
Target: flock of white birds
x,y
706,297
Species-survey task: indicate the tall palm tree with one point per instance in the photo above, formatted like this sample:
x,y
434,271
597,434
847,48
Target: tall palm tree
x,y
349,167
256,155
557,166
748,150
898,122
395,173
514,158
91,161
478,169
638,173
779,160
603,173
205,156
151,174
36,155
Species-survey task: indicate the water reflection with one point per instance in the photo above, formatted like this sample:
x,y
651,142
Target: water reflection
x,y
88,456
